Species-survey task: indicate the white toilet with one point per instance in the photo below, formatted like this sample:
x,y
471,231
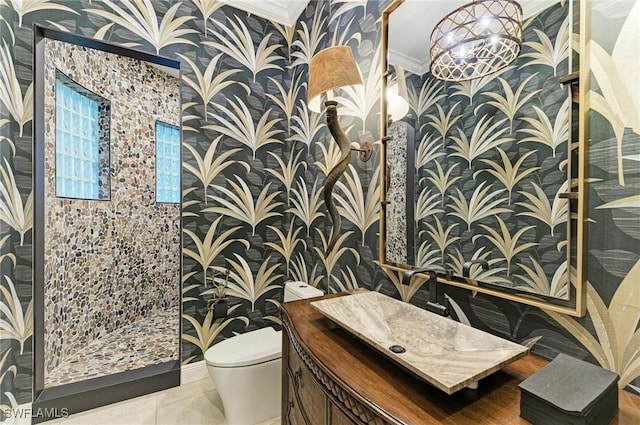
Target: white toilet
x,y
246,369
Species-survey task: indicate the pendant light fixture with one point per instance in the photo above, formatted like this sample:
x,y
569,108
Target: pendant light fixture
x,y
476,39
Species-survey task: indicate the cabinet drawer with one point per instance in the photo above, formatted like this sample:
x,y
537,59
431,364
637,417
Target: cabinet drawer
x,y
338,417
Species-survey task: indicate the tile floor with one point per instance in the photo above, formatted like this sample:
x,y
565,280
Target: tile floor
x,y
190,404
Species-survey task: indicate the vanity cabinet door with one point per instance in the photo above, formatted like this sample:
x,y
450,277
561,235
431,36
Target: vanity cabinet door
x,y
311,398
292,415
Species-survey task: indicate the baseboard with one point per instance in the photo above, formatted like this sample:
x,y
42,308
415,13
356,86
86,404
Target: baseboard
x,y
193,372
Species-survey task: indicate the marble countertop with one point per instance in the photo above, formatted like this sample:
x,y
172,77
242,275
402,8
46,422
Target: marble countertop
x,y
447,354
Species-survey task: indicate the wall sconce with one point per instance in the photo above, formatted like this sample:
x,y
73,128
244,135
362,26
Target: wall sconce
x,y
476,39
329,69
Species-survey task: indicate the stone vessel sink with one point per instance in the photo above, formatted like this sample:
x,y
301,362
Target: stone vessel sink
x,y
447,354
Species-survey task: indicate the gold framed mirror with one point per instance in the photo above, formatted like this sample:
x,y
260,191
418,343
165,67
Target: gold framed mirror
x,y
484,179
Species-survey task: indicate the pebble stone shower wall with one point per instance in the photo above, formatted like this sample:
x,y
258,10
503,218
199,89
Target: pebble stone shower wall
x,y
110,263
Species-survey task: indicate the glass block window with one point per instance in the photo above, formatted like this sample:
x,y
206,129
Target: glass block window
x,y
82,142
167,163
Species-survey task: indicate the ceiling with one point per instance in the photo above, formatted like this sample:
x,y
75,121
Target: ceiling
x,y
410,25
410,28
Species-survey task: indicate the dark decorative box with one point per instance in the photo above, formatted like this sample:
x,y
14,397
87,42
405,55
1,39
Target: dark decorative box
x,y
569,391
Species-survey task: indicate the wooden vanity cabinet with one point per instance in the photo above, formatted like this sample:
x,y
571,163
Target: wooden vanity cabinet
x,y
330,377
306,400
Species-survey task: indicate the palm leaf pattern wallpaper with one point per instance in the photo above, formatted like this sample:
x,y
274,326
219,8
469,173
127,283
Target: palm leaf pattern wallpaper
x,y
255,160
492,192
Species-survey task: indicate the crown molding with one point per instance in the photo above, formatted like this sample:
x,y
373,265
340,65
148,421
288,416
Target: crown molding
x,y
408,63
532,8
285,12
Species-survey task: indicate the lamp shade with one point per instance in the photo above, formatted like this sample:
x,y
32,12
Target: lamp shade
x,y
476,39
329,69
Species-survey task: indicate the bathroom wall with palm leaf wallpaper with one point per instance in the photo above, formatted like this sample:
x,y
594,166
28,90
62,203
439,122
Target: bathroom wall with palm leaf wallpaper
x,y
254,165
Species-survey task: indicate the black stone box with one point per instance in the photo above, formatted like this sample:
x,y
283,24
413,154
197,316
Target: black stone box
x,y
569,391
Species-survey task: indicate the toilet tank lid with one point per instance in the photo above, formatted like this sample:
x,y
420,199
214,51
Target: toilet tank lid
x,y
299,290
246,349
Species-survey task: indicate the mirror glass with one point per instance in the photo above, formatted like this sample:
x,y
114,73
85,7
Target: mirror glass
x,y
108,208
479,171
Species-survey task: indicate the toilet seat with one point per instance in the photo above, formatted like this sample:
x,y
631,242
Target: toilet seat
x,y
246,349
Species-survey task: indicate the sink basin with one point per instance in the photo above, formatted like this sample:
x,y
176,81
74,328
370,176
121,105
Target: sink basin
x,y
447,354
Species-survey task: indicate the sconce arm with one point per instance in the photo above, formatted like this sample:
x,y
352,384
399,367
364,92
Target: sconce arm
x,y
365,151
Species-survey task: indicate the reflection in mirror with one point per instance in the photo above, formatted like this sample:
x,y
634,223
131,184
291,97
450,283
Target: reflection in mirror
x,y
108,217
491,160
